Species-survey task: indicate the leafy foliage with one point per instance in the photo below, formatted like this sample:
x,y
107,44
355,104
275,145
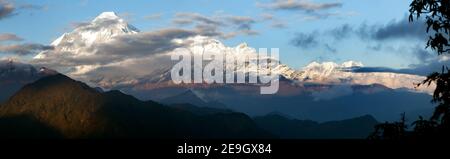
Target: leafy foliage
x,y
437,14
390,131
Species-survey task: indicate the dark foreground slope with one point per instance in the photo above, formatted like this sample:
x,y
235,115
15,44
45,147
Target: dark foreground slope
x,y
57,106
355,128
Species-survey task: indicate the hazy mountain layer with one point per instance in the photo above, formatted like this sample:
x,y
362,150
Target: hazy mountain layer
x,y
14,75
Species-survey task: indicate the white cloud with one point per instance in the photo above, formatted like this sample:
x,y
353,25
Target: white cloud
x,y
118,49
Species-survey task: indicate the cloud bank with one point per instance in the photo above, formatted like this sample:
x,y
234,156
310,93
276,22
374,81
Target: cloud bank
x,y
6,9
24,49
302,5
223,26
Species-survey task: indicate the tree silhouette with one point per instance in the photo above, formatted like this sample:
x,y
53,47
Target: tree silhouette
x,y
390,131
437,14
424,128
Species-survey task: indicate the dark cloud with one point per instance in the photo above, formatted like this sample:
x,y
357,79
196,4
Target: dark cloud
x,y
417,52
204,24
422,54
312,40
6,9
302,5
341,32
274,21
208,30
9,37
242,22
312,10
305,40
32,6
427,68
218,25
428,62
23,49
401,29
330,48
144,44
191,18
422,69
249,32
377,47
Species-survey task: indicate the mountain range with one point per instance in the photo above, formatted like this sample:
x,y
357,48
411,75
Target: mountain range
x,y
306,93
92,39
57,106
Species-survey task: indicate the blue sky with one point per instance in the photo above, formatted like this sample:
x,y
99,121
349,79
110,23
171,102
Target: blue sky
x,y
49,19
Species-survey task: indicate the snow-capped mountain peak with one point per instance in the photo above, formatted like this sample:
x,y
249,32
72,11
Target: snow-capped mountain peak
x,y
202,44
47,71
331,66
108,16
352,64
101,29
333,73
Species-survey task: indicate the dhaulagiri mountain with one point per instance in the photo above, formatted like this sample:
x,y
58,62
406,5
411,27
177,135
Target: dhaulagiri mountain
x,y
57,106
102,29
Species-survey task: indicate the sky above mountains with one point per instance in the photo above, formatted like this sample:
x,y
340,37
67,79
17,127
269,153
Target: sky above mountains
x,y
377,33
